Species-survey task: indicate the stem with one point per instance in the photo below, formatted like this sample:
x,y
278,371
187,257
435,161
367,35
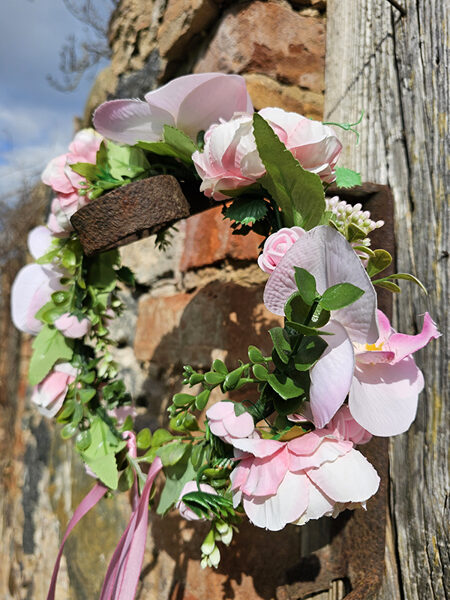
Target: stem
x,y
276,210
312,310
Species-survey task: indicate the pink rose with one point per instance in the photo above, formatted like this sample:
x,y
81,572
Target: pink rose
x,y
276,246
191,486
313,144
71,327
229,159
190,103
58,174
317,474
50,393
225,424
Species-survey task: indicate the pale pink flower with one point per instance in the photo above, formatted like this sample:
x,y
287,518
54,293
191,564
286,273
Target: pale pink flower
x,y
276,246
191,486
225,424
190,103
71,327
58,174
386,385
317,474
229,159
313,144
50,393
34,284
327,255
348,428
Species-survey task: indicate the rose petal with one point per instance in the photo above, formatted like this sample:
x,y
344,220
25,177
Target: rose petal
x,y
266,474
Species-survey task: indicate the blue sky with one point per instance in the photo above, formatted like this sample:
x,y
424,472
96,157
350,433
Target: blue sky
x,y
36,120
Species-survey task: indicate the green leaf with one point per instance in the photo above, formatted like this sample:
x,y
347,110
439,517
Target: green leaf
x,y
125,162
284,386
388,285
202,399
172,453
182,143
296,309
160,437
260,372
340,295
287,407
255,355
346,178
86,394
305,329
214,378
87,170
49,346
176,477
355,233
126,275
239,409
232,378
219,366
182,399
311,349
246,210
306,285
144,439
377,263
297,192
281,343
100,455
408,277
101,272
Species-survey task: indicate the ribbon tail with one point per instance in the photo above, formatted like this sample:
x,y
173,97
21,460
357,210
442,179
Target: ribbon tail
x,y
88,502
123,572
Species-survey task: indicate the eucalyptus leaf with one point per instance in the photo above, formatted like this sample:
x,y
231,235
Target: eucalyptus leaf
x,y
388,285
408,277
377,263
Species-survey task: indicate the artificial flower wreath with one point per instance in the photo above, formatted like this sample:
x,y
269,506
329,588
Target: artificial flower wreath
x,y
338,373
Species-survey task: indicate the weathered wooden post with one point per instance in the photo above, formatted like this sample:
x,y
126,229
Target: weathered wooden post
x,y
395,67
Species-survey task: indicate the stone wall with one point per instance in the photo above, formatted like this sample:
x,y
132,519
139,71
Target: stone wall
x,y
200,300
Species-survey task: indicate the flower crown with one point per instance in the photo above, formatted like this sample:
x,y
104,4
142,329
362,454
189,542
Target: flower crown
x,y
338,373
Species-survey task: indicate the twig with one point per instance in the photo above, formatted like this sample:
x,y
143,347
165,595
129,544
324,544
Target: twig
x,y
398,6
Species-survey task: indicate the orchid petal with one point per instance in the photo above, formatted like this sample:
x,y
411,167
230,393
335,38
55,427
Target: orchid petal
x,y
404,345
383,397
350,478
217,98
327,255
331,376
39,240
129,121
284,507
384,326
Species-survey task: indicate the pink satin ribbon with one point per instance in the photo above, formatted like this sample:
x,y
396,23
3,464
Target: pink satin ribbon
x,y
122,576
90,500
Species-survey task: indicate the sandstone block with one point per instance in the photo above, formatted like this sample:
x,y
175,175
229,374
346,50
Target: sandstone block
x,y
265,91
209,239
264,37
182,20
191,328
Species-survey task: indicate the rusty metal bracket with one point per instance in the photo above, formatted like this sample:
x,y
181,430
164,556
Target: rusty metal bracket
x,y
356,550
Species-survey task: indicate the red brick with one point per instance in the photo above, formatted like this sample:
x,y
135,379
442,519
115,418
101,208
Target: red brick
x,y
188,328
269,38
209,239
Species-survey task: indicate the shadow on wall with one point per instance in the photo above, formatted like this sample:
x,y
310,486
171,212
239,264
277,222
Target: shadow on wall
x,y
222,319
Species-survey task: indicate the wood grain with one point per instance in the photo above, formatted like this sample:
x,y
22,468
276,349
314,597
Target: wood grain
x,y
397,69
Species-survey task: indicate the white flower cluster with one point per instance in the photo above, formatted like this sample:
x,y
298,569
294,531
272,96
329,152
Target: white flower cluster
x,y
347,214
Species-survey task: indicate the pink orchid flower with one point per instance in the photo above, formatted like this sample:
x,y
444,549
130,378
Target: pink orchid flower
x,y
386,385
71,327
306,478
327,255
50,393
34,284
191,486
225,424
190,103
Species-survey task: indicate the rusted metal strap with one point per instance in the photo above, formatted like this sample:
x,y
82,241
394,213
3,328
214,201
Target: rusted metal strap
x,y
133,211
